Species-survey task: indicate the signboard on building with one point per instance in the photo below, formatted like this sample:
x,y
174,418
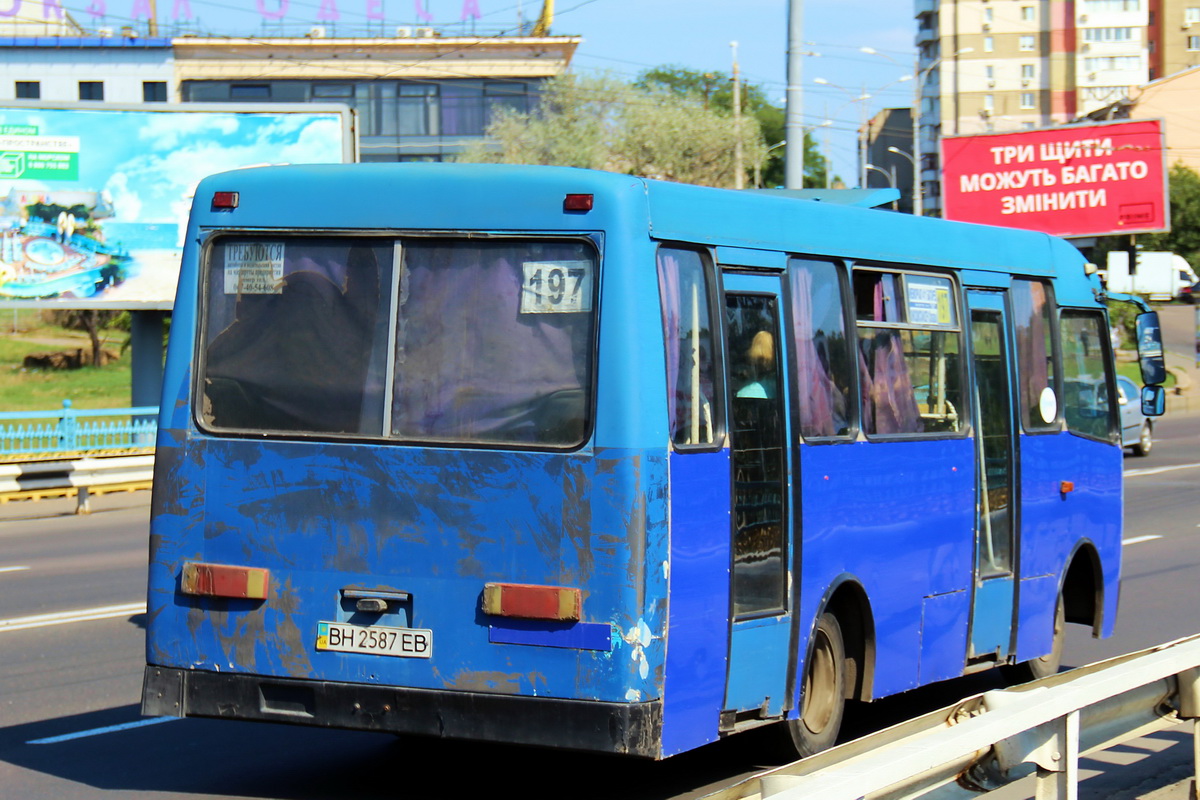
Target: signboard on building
x,y
94,199
1073,181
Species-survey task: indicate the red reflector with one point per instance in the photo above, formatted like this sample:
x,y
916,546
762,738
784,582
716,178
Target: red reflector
x,y
225,200
578,202
222,580
531,602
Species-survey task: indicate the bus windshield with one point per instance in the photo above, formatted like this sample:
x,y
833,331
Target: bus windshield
x,y
417,339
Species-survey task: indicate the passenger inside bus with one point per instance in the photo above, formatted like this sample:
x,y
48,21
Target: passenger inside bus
x,y
297,359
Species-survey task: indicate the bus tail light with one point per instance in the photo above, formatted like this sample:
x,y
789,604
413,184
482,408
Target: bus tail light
x,y
532,602
223,580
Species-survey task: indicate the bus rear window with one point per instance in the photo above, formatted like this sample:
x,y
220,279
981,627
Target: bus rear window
x,y
432,340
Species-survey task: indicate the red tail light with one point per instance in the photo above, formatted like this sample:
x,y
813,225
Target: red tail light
x,y
223,580
532,602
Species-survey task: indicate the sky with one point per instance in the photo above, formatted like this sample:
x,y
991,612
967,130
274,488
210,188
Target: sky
x,y
625,37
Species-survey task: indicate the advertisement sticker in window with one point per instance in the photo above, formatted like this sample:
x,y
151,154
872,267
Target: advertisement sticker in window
x,y
254,268
928,300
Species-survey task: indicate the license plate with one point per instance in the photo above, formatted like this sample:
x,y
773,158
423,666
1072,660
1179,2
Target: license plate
x,y
375,640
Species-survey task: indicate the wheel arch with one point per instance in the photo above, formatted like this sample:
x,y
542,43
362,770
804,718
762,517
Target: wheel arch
x,y
847,601
1082,587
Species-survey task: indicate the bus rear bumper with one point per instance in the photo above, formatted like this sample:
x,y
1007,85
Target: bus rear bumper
x,y
625,728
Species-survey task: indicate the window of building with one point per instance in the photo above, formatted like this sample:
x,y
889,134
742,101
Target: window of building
x,y
1028,42
1193,43
1098,63
29,90
1097,6
1027,100
989,102
333,91
154,91
1027,72
250,91
989,72
1108,34
1027,14
988,44
989,14
91,90
1191,15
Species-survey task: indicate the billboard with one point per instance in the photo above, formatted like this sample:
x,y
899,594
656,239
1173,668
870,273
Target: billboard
x,y
1078,180
94,198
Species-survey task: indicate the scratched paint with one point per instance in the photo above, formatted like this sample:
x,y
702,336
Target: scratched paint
x,y
320,517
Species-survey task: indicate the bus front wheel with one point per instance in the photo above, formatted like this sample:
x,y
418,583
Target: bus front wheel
x,y
824,697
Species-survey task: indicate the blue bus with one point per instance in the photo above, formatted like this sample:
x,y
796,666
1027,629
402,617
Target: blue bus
x,y
576,459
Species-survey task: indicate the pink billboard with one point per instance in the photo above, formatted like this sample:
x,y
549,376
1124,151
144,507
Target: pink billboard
x,y
1079,180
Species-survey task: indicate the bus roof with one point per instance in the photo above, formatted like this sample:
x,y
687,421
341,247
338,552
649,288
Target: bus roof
x,y
506,197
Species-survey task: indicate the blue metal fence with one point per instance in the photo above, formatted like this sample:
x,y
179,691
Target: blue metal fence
x,y
70,430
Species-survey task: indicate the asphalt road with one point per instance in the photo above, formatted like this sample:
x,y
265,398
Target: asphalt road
x,y
68,691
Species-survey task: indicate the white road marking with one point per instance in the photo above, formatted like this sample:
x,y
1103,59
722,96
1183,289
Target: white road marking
x,y
66,737
1139,539
13,569
64,617
1133,473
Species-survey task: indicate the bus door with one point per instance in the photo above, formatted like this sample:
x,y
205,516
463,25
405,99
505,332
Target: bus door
x,y
996,490
761,547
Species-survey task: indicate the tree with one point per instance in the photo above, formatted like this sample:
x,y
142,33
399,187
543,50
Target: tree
x,y
91,321
1184,236
715,89
604,123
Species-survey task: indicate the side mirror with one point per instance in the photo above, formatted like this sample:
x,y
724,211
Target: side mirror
x,y
1150,349
1154,401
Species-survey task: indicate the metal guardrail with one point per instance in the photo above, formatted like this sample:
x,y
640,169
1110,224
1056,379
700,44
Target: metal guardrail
x,y
997,737
80,475
77,431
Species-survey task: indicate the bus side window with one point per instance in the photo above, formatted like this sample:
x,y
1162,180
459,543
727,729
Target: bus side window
x,y
823,350
688,330
1087,407
909,353
1033,319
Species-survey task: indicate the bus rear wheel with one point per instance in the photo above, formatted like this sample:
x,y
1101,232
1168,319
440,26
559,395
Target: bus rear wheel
x,y
1048,664
824,696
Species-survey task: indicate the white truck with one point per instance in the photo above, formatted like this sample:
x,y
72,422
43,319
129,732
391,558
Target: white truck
x,y
1157,275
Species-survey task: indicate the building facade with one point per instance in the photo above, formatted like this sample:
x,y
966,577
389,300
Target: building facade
x,y
419,95
1004,65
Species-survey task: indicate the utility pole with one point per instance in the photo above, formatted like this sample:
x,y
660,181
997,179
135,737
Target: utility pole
x,y
918,187
739,171
793,131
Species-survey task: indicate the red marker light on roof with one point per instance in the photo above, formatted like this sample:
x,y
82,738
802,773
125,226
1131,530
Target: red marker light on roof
x,y
225,200
578,202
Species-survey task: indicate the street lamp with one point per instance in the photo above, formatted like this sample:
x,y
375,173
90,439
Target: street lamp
x,y
916,177
919,75
758,165
862,152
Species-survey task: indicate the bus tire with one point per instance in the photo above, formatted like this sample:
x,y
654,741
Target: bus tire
x,y
824,695
1048,664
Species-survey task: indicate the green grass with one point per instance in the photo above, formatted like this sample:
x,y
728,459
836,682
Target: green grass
x,y
24,389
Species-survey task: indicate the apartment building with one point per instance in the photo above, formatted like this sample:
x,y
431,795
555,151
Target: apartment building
x,y
421,93
990,66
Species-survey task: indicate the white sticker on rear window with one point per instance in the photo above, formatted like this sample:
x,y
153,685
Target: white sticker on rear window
x,y
254,268
556,287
